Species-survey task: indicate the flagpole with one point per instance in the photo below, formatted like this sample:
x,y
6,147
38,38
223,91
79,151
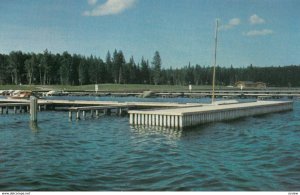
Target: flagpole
x,y
215,62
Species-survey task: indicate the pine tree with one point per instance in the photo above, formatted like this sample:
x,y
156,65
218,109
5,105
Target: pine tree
x,y
156,68
145,72
30,66
109,67
66,61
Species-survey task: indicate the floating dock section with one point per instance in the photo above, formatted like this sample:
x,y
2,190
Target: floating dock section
x,y
105,109
192,116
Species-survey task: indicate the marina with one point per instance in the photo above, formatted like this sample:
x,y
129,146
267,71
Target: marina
x,y
123,95
106,153
161,114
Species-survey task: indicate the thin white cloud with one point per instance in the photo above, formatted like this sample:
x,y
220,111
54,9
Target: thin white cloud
x,y
255,19
110,7
92,2
232,23
259,32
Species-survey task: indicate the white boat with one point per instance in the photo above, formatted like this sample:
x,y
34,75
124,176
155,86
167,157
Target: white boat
x,y
20,94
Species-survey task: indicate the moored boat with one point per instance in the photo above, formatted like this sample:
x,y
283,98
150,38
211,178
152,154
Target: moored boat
x,y
20,94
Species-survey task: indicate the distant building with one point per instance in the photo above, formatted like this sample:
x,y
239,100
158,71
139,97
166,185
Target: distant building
x,y
250,84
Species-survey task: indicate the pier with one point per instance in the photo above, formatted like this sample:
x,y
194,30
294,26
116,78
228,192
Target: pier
x,y
19,107
95,110
275,93
186,117
158,114
84,106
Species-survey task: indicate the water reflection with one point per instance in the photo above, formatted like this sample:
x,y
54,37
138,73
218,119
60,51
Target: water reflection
x,y
34,126
150,130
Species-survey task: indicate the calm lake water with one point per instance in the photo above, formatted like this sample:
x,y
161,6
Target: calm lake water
x,y
107,154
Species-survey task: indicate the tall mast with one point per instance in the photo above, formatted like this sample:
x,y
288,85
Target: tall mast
x,y
215,62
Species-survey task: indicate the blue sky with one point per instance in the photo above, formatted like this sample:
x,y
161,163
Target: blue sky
x,y
258,32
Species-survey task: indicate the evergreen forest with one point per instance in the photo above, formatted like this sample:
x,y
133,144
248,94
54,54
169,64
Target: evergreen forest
x,y
46,68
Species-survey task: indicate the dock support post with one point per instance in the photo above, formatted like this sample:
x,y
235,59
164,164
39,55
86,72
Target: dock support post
x,y
176,122
78,115
107,112
131,119
146,119
143,119
15,109
119,110
157,120
92,113
165,120
135,119
33,109
153,119
180,122
138,119
70,115
1,110
150,120
83,114
160,120
169,121
6,111
173,121
97,113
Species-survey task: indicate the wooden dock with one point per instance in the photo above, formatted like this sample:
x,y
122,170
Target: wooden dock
x,y
83,108
185,117
20,107
161,114
275,93
95,110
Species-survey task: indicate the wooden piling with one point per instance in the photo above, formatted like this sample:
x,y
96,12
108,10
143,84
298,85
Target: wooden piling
x,y
33,109
108,111
83,114
78,115
119,111
70,115
131,116
92,113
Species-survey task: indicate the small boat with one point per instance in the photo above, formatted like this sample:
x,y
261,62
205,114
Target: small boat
x,y
20,94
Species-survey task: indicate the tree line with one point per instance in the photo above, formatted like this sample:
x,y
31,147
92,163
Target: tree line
x,y
46,68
